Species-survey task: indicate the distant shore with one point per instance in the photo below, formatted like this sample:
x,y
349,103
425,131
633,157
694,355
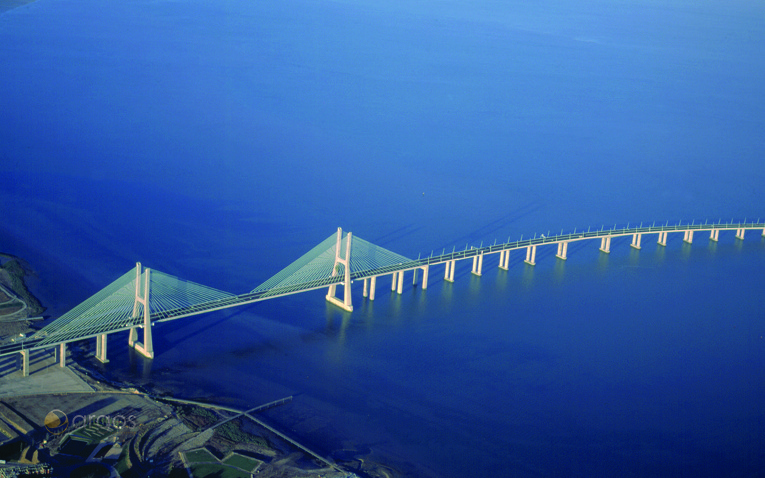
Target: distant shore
x,y
17,303
11,4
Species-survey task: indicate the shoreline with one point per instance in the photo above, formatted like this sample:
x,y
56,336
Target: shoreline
x,y
19,304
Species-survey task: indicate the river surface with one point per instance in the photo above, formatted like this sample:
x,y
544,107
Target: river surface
x,y
218,142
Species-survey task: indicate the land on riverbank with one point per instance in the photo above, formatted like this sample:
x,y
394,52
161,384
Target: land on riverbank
x,y
17,303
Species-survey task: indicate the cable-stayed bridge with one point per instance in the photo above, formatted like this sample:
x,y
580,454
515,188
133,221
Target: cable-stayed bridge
x,y
143,297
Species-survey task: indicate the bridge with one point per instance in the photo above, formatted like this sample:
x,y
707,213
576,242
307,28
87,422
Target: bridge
x,y
142,297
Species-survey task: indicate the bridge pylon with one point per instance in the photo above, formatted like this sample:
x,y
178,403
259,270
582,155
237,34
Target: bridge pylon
x,y
146,348
346,263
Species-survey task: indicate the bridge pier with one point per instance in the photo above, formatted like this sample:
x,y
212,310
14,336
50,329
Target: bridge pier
x,y
346,263
425,270
740,233
372,284
688,237
662,239
714,235
61,355
562,250
477,264
25,362
449,272
531,254
605,244
636,241
504,259
147,347
400,287
366,287
101,348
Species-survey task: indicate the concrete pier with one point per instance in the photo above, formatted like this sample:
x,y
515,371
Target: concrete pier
x,y
605,244
531,254
477,264
400,287
688,237
394,281
449,272
562,250
425,277
25,362
62,355
662,239
101,349
714,235
366,287
504,259
740,233
636,241
372,284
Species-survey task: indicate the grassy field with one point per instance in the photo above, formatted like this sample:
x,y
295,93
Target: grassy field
x,y
93,433
217,471
200,455
204,464
246,463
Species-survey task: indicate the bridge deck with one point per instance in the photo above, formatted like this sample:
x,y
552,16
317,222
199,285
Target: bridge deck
x,y
95,329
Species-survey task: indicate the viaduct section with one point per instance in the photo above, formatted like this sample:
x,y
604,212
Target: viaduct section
x,y
141,298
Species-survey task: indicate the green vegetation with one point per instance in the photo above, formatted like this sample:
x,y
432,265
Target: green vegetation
x,y
217,471
16,274
92,433
195,417
200,455
231,431
240,461
204,464
123,463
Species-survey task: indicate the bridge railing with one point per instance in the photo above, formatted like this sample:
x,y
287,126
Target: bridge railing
x,y
471,251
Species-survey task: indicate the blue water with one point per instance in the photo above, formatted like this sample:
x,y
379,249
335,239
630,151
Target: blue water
x,y
219,142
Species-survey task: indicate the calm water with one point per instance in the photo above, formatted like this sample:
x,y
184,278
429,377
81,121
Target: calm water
x,y
219,142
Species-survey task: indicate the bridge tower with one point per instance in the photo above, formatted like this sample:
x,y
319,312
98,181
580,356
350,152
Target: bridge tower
x,y
346,263
146,348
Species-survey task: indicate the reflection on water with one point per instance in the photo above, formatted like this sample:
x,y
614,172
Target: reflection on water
x,y
527,276
139,365
559,269
712,246
474,286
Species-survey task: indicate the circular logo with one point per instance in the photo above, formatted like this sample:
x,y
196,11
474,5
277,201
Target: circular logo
x,y
56,422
